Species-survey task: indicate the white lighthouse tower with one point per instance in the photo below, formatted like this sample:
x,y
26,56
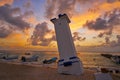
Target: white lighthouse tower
x,y
69,63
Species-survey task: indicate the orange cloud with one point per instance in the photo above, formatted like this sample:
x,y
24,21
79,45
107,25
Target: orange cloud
x,y
3,2
14,40
109,6
89,42
80,19
116,30
32,20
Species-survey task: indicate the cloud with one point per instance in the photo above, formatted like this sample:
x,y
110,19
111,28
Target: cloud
x,y
11,21
98,9
16,10
31,19
99,24
76,37
67,7
42,35
112,43
55,7
108,33
115,43
107,39
118,40
108,22
27,4
3,2
15,40
77,10
111,1
28,9
114,17
50,8
29,13
5,31
100,35
6,15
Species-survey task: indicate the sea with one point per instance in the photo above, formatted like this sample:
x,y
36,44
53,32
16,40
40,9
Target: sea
x,y
89,59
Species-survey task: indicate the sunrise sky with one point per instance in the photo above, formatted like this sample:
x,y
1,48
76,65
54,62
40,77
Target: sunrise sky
x,y
95,24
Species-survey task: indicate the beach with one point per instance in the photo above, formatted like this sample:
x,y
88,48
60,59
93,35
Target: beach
x,y
17,70
25,72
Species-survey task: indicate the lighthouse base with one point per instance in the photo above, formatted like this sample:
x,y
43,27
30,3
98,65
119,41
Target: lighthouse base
x,y
72,66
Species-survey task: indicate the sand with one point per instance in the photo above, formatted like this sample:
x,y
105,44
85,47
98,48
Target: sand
x,y
25,72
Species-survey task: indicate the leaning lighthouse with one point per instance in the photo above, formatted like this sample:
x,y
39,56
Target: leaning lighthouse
x,y
69,63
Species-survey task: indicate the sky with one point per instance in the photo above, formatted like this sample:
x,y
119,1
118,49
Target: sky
x,y
95,24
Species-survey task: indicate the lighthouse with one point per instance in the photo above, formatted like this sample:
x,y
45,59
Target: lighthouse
x,y
68,63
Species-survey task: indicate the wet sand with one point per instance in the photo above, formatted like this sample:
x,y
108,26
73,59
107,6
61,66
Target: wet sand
x,y
25,72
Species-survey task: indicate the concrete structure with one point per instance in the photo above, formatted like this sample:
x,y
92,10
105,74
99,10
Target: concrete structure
x,y
69,63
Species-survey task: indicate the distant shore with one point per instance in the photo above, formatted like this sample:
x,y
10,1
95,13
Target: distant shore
x,y
55,50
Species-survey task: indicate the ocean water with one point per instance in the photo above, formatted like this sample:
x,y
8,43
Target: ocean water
x,y
89,59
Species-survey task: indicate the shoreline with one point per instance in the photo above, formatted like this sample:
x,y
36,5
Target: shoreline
x,y
54,65
34,50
